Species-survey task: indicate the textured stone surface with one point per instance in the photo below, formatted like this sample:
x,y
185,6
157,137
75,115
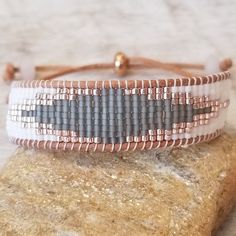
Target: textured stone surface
x,y
184,191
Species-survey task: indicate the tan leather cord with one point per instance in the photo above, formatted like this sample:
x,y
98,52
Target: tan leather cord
x,y
130,63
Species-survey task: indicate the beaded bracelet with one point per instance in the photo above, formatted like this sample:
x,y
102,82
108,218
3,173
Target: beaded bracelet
x,y
117,114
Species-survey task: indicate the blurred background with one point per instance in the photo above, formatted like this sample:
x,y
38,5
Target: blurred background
x,y
80,32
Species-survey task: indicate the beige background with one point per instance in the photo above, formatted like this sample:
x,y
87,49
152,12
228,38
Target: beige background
x,y
78,32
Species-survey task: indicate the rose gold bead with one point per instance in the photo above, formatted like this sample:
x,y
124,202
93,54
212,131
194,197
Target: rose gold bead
x,y
174,95
152,90
166,95
168,132
202,122
160,137
49,131
137,139
74,139
65,139
73,134
206,98
217,108
217,102
159,96
159,90
97,140
195,100
196,106
152,132
89,140
129,139
121,64
65,133
196,123
127,92
168,137
206,122
160,131
202,116
143,91
196,117
213,108
182,100
72,97
181,131
188,95
151,96
175,131
81,139
135,91
145,138
189,101
182,125
175,125
174,101
73,91
80,91
201,99
188,130
167,90
152,138
96,92
208,115
56,97
58,132
207,104
189,124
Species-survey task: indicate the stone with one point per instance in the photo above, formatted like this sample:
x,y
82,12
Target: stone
x,y
182,191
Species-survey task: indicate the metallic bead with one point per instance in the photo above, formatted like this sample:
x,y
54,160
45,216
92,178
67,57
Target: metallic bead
x,y
167,137
73,133
88,91
121,64
129,139
202,116
151,96
196,117
168,132
181,130
80,91
96,92
152,90
127,92
182,125
174,95
202,122
159,96
152,138
175,125
74,139
145,138
175,131
160,131
152,132
97,140
143,91
189,101
189,125
81,139
89,140
160,137
137,139
174,101
135,91
167,95
196,123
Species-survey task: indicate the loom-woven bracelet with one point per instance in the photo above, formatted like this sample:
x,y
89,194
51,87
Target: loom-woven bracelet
x,y
118,114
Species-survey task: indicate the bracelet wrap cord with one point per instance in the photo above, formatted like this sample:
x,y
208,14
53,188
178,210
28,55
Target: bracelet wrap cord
x,y
120,114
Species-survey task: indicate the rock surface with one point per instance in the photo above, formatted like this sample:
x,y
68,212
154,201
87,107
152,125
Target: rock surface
x,y
185,191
